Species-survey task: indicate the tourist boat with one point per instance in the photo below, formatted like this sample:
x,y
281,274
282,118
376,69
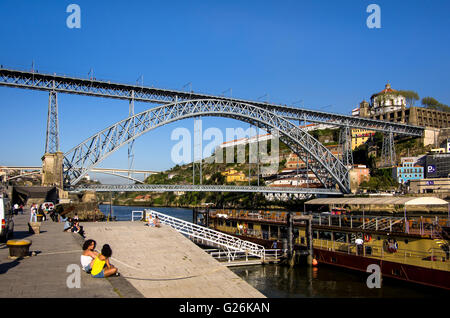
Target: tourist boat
x,y
407,246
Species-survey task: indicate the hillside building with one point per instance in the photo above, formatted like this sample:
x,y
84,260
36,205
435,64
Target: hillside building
x,y
389,105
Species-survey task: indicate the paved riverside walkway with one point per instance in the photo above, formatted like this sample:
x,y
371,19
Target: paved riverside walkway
x,y
160,262
45,275
153,262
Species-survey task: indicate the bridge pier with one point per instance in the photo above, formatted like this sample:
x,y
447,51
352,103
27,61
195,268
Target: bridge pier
x,y
290,245
52,172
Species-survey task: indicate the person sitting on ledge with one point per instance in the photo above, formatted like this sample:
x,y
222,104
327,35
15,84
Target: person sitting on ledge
x,y
150,221
101,267
88,255
67,224
156,221
77,228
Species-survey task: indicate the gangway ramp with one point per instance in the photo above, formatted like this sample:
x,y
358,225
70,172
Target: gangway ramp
x,y
232,245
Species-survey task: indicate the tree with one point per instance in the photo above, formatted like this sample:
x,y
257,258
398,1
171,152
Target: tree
x,y
430,102
410,96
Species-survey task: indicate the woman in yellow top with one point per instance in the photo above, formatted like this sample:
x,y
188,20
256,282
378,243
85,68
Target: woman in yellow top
x,y
101,267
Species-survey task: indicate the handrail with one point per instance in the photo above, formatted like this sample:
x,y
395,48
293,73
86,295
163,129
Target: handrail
x,y
218,254
223,240
133,212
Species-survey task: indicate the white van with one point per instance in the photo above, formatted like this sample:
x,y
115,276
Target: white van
x,y
6,219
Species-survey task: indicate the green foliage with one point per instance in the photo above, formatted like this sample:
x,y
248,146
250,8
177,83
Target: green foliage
x,y
430,102
410,96
381,179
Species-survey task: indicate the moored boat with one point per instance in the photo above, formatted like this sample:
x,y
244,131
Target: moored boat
x,y
410,246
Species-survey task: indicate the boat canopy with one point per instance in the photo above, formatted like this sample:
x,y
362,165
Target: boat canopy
x,y
380,201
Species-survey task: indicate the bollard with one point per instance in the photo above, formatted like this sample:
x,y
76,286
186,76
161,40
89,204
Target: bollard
x,y
18,248
34,227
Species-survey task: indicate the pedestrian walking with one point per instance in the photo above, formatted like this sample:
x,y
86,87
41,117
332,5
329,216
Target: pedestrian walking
x,y
33,213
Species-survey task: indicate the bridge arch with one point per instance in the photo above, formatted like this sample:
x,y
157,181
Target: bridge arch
x,y
83,157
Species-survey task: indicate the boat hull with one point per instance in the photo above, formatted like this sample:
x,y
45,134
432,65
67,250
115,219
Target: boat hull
x,y
405,272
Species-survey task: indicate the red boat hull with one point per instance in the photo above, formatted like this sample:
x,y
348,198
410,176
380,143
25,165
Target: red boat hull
x,y
409,273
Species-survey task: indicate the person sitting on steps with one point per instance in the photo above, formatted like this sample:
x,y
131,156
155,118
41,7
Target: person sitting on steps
x,y
157,222
77,228
88,256
101,266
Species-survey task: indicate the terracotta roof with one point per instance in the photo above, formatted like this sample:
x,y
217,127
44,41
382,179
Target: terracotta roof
x,y
387,89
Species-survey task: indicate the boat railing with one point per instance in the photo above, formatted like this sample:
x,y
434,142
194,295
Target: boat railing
x,y
432,258
420,225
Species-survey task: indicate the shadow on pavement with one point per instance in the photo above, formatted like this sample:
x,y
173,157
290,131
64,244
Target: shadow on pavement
x,y
18,235
4,267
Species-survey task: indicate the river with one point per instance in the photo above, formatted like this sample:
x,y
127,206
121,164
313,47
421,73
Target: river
x,y
276,281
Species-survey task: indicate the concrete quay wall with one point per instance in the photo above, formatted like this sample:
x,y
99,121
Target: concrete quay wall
x,y
160,262
153,262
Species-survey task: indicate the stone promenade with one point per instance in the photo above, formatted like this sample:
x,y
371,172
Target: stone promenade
x,y
45,274
153,262
160,262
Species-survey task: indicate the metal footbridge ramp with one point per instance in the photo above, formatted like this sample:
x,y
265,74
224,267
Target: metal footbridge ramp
x,y
232,245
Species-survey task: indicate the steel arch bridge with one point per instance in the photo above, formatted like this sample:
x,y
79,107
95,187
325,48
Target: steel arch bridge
x,y
85,156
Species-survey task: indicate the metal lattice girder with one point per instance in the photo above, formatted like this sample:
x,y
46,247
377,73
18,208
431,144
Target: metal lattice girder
x,y
388,158
72,85
345,142
80,159
131,144
199,188
52,136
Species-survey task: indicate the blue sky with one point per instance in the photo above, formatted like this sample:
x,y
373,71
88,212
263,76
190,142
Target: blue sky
x,y
320,52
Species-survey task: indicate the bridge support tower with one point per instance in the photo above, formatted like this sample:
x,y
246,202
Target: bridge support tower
x,y
52,161
345,142
52,136
388,158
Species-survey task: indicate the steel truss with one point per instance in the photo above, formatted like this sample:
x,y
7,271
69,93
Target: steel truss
x,y
72,85
52,135
200,188
388,158
80,159
345,143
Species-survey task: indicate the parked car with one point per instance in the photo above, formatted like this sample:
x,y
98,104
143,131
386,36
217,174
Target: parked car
x,y
6,219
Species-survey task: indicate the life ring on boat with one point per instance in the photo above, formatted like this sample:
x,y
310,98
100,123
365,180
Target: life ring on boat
x,y
367,237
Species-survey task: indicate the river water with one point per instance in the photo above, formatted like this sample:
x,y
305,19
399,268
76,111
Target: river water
x,y
276,281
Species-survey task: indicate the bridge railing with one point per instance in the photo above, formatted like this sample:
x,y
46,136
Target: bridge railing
x,y
228,242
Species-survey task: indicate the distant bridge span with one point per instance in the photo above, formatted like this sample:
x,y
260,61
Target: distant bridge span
x,y
35,170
